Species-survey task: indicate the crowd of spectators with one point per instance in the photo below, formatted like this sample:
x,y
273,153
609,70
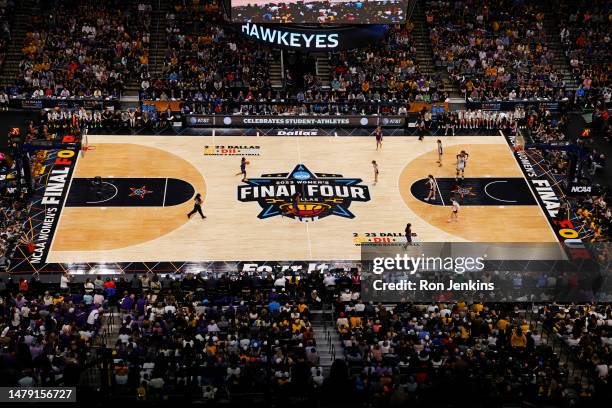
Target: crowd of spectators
x,y
47,337
207,60
592,212
214,336
213,63
13,212
14,207
149,118
103,119
83,48
204,336
321,12
586,330
227,335
585,34
404,351
385,70
494,51
6,11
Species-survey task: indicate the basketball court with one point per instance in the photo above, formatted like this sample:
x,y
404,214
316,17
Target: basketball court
x,y
137,210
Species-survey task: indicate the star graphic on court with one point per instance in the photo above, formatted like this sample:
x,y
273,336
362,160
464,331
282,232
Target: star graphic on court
x,y
139,191
463,191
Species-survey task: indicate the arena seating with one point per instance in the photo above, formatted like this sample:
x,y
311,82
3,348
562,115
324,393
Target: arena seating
x,y
47,336
227,336
418,346
585,32
6,11
192,69
586,331
84,48
494,51
211,337
12,217
593,212
385,71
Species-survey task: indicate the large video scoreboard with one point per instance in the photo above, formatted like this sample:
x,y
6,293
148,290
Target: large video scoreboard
x,y
319,12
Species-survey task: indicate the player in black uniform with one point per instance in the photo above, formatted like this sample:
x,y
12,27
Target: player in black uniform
x,y
243,164
408,234
451,123
197,206
421,127
375,165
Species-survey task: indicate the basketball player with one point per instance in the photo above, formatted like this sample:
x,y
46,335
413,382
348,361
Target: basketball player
x,y
420,124
433,188
455,212
408,233
462,119
461,163
440,153
243,164
379,137
296,203
451,123
197,206
375,165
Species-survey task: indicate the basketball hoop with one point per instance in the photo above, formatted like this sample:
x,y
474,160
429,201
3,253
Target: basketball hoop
x,y
85,148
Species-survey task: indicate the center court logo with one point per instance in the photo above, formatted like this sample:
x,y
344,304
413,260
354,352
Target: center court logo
x,y
303,195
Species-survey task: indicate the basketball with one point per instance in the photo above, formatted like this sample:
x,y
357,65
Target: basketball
x,y
248,162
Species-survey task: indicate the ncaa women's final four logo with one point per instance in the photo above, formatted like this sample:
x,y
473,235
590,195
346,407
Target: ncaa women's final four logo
x,y
303,195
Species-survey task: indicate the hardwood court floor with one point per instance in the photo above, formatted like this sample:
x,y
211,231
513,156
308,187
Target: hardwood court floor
x,y
233,230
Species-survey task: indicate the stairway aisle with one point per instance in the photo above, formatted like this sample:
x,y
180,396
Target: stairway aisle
x,y
329,346
275,71
21,19
424,52
323,70
560,61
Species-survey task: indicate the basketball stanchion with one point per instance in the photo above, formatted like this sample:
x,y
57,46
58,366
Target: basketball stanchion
x,y
86,147
520,143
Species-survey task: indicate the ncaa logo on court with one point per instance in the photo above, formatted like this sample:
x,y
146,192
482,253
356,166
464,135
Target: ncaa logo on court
x,y
301,175
303,195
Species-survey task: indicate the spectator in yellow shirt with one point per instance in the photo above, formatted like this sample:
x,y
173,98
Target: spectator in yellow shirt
x,y
518,340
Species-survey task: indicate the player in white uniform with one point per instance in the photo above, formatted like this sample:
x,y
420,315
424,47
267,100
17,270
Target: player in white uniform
x,y
462,119
489,120
499,120
479,117
454,217
461,163
433,188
